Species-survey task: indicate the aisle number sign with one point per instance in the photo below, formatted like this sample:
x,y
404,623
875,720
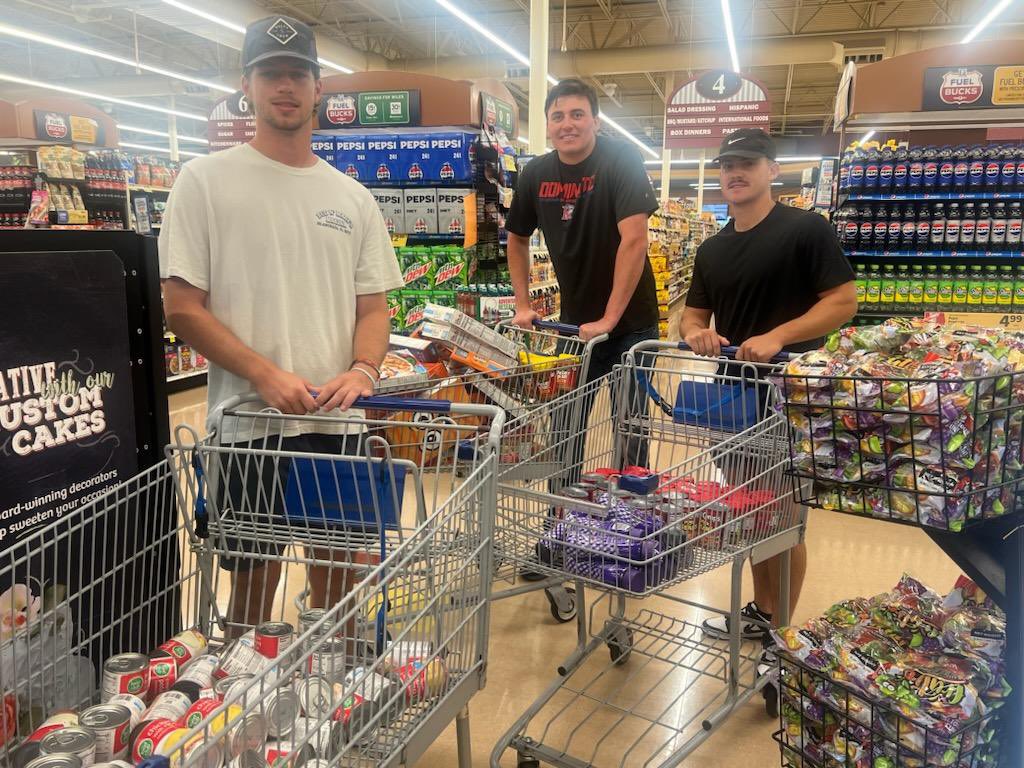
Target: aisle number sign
x,y
712,105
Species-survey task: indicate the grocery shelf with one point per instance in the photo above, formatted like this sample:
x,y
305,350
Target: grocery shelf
x,y
184,381
911,196
188,375
938,254
61,179
145,188
544,285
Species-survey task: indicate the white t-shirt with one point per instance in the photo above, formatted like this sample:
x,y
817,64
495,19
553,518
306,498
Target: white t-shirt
x,y
283,252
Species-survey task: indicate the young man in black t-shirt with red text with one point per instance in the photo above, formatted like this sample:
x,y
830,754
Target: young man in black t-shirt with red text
x,y
774,279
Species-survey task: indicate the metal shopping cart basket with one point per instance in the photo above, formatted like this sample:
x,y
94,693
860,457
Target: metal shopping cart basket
x,y
371,680
718,496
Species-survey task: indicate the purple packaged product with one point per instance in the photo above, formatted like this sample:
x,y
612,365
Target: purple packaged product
x,y
351,157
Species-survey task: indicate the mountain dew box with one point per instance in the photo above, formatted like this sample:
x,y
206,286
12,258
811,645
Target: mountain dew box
x,y
395,308
323,147
420,212
453,268
351,157
414,303
451,211
418,267
443,298
383,158
392,207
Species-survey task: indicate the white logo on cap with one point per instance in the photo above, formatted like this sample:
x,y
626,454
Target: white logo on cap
x,y
282,31
733,141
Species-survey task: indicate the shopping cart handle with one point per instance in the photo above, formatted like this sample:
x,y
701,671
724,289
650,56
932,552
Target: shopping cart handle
x,y
730,352
415,404
563,328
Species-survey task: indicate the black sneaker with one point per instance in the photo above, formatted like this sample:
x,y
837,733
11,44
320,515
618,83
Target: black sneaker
x,y
718,626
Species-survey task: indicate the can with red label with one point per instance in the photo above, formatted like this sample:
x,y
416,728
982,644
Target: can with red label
x,y
135,706
185,646
126,673
422,680
202,709
284,753
157,737
29,750
163,674
112,725
272,637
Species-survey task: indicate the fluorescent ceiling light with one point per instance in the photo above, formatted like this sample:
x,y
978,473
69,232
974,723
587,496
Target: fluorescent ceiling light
x,y
161,134
89,95
24,34
148,148
472,23
730,36
866,137
986,20
241,30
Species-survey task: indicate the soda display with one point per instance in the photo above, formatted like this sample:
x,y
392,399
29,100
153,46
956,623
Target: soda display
x,y
943,287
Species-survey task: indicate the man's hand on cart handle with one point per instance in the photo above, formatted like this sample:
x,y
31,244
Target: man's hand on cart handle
x,y
597,328
524,318
759,349
285,391
343,390
705,341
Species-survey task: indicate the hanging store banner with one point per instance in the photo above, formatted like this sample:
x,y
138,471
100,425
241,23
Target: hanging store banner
x,y
63,128
368,109
67,430
496,113
984,86
231,122
712,105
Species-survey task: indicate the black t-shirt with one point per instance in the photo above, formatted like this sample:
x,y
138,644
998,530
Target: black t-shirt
x,y
756,280
578,208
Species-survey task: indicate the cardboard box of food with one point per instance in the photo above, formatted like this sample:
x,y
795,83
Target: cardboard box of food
x,y
487,335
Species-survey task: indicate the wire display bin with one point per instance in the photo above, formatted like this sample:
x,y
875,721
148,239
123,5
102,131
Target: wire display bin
x,y
402,537
718,496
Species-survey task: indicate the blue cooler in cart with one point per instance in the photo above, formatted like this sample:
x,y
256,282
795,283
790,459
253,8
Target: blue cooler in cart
x,y
345,493
718,405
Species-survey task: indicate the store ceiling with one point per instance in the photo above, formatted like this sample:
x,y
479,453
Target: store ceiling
x,y
795,47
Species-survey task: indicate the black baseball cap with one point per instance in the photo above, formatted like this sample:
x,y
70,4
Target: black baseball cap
x,y
747,142
278,36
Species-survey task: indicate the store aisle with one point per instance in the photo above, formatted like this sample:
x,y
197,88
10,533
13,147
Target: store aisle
x,y
848,556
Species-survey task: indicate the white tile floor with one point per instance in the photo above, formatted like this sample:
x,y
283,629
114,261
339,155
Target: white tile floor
x,y
848,556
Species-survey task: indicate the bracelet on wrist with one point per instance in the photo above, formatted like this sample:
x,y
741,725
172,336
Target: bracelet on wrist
x,y
369,364
366,373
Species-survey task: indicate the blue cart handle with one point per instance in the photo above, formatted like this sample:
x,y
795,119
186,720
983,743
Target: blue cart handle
x,y
565,329
413,404
730,352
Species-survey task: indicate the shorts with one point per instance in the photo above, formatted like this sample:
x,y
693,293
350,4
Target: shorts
x,y
255,485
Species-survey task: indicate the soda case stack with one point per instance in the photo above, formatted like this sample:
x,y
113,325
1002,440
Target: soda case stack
x,y
919,288
151,702
432,274
891,170
16,184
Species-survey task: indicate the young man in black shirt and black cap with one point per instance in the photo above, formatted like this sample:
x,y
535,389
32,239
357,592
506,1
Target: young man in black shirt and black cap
x,y
774,278
591,198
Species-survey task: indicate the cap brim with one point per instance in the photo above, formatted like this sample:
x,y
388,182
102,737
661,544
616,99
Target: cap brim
x,y
282,55
746,153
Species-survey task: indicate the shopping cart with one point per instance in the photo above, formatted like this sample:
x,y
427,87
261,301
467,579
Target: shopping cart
x,y
373,680
719,497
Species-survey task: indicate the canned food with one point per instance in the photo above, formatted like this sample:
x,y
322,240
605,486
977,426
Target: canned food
x,y
317,696
272,637
242,659
111,723
319,734
285,753
203,708
163,674
281,708
135,706
598,480
200,671
317,763
213,756
113,764
54,722
158,737
56,761
185,646
310,617
249,734
423,680
328,661
398,654
209,693
126,673
72,740
169,706
249,759
222,686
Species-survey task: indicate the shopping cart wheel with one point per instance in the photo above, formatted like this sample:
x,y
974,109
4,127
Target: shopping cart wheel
x,y
771,700
562,601
620,644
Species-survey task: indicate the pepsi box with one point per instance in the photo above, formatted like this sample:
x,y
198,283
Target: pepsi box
x,y
352,157
323,147
392,207
451,157
383,159
420,211
451,210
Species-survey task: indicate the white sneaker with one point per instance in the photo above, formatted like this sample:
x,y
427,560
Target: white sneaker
x,y
718,626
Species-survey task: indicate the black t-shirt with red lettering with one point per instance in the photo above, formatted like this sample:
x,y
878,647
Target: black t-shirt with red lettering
x,y
578,208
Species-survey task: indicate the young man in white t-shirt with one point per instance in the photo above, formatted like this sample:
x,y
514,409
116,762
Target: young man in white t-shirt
x,y
275,268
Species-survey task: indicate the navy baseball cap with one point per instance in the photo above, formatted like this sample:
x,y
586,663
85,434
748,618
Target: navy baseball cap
x,y
747,142
278,36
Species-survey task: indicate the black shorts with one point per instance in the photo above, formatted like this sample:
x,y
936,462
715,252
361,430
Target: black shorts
x,y
255,487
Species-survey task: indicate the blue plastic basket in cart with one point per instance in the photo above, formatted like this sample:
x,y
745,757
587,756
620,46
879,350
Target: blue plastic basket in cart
x,y
343,492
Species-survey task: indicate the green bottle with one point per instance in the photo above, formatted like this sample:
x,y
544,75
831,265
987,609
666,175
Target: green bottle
x,y
887,295
931,288
961,288
975,289
990,293
902,300
946,288
874,289
1005,287
862,285
916,288
1018,290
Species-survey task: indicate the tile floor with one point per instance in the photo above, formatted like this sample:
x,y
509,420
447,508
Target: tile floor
x,y
848,556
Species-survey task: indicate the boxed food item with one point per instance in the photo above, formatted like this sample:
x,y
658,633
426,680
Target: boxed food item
x,y
400,370
475,329
467,349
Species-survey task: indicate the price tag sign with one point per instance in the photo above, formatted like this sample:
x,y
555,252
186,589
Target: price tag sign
x,y
399,241
1005,321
